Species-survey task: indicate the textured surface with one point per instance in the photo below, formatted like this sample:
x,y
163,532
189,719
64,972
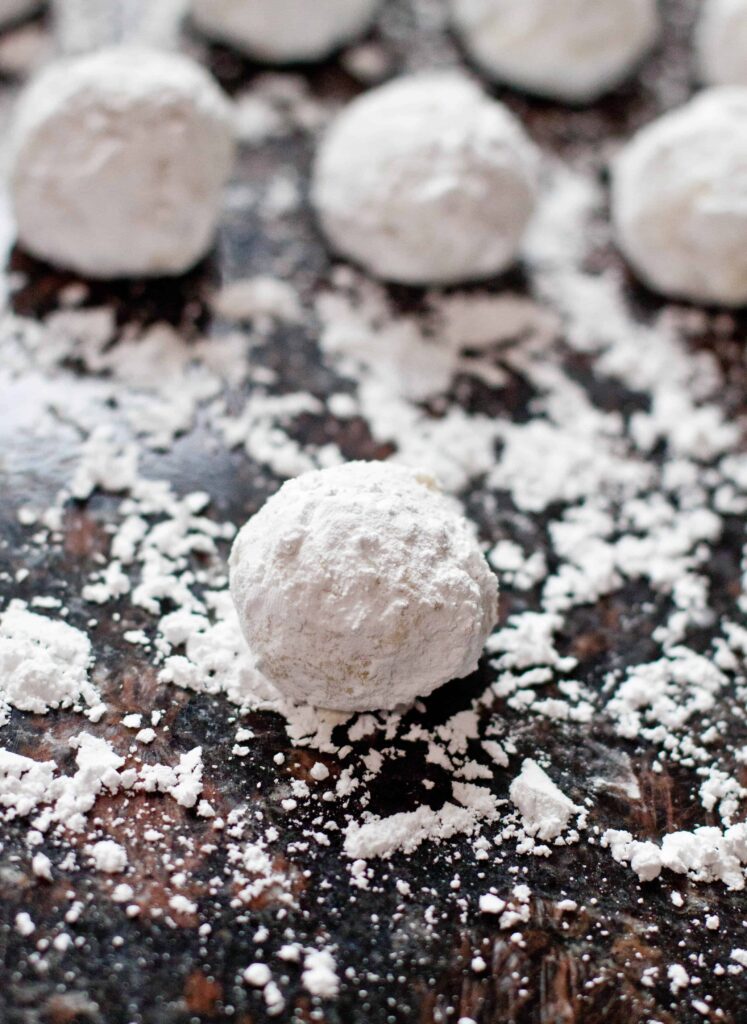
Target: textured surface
x,y
152,130
284,31
361,588
587,968
573,51
426,181
678,215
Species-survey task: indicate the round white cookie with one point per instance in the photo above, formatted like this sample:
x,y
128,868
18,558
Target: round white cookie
x,y
284,31
721,42
118,163
679,200
568,50
426,180
362,587
14,10
81,26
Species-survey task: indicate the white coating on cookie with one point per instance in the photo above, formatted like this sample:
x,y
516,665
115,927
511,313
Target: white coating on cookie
x,y
721,42
426,180
679,200
570,50
119,161
284,31
361,587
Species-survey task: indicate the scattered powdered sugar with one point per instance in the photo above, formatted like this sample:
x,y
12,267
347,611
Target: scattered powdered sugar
x,y
406,831
183,782
620,516
24,783
30,786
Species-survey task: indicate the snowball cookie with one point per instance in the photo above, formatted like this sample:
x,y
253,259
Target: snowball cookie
x,y
721,42
80,26
13,10
362,587
569,50
118,161
284,31
426,180
679,200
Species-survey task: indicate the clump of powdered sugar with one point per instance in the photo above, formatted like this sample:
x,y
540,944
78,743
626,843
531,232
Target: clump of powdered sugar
x,y
545,810
44,663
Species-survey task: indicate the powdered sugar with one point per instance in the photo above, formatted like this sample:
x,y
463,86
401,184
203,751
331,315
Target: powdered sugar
x,y
545,810
109,857
678,203
406,831
79,212
360,588
43,663
705,854
572,52
319,974
426,181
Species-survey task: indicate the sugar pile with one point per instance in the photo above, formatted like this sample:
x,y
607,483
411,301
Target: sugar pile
x,y
43,663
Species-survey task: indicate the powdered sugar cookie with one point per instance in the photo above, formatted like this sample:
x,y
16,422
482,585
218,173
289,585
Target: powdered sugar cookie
x,y
360,587
118,163
426,180
284,31
679,200
570,50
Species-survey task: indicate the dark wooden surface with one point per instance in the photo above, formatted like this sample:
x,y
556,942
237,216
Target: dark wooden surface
x,y
585,967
